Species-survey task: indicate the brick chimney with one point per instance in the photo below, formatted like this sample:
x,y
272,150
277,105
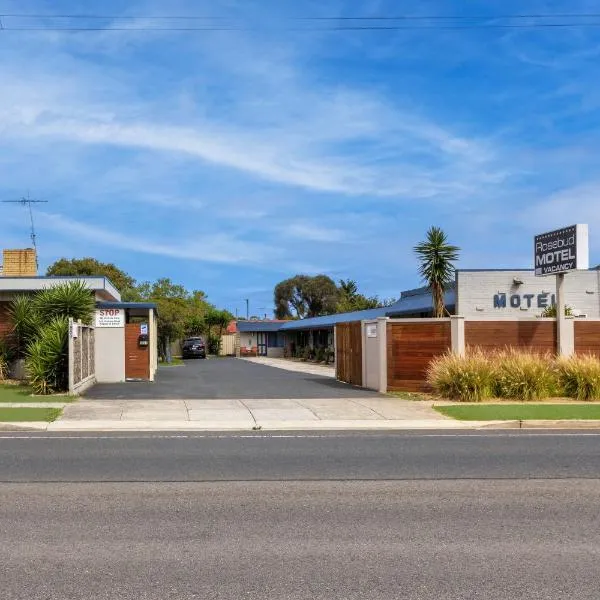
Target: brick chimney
x,y
19,263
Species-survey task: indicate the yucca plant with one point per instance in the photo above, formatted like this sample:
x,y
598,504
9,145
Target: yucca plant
x,y
579,376
436,266
468,378
524,376
47,357
72,299
26,322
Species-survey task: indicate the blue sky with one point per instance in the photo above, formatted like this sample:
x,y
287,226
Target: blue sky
x,y
229,160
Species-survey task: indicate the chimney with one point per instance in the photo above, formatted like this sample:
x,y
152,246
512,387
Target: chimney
x,y
19,263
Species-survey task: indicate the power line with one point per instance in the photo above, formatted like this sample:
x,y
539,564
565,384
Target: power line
x,y
312,23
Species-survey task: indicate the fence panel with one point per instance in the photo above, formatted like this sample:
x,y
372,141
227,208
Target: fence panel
x,y
82,358
536,336
410,349
587,337
348,352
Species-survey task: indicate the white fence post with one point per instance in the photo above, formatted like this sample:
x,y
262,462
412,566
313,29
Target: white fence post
x,y
71,357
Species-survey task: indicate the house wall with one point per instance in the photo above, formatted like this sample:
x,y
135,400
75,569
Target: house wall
x,y
481,293
110,354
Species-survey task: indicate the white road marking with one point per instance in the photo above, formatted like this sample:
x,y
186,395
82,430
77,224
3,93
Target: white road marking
x,y
290,436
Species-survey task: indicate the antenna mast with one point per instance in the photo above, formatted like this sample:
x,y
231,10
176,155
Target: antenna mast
x,y
28,202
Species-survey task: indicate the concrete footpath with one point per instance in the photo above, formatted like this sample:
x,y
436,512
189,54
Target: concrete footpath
x,y
278,414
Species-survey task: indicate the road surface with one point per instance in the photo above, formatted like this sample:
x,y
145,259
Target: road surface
x,y
373,516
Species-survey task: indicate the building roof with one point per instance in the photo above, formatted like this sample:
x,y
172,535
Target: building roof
x,y
328,321
101,285
252,326
419,301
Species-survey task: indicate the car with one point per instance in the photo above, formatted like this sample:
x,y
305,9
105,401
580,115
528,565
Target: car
x,y
193,347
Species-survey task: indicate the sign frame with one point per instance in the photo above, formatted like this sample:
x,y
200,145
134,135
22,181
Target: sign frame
x,y
561,251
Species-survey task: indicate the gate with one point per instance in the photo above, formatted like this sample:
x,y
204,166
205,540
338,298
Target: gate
x,y
137,358
348,352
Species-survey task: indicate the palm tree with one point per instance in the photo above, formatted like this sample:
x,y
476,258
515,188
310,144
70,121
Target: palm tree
x,y
436,267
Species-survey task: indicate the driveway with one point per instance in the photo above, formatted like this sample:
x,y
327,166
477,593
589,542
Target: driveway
x,y
228,379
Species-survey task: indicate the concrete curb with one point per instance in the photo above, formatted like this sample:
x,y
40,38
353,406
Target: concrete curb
x,y
24,426
329,425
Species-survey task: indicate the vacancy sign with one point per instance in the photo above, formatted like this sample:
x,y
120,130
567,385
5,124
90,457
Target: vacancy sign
x,y
110,317
562,250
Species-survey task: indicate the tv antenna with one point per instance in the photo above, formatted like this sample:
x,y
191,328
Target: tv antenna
x,y
27,201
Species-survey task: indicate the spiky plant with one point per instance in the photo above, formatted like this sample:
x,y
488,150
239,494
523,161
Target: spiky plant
x,y
72,299
436,257
26,322
47,357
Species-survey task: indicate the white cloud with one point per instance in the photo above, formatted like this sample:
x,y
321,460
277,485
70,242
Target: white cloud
x,y
216,248
312,231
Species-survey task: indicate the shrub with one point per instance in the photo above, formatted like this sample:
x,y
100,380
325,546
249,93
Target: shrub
x,y
47,357
466,378
524,376
579,377
320,354
72,299
6,355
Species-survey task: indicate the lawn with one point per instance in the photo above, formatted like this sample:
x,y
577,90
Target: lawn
x,y
22,393
12,415
520,412
409,395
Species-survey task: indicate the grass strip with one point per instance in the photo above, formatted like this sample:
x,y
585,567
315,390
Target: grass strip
x,y
520,412
22,393
11,415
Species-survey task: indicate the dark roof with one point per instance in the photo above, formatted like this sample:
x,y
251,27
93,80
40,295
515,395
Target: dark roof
x,y
251,326
328,321
419,303
143,305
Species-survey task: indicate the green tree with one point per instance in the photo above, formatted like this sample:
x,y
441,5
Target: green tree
x,y
216,323
436,265
171,300
305,296
91,266
351,300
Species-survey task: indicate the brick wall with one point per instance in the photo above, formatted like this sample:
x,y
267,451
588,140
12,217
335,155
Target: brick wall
x,y
19,263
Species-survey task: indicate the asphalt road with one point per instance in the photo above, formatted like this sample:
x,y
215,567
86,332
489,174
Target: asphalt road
x,y
373,516
227,378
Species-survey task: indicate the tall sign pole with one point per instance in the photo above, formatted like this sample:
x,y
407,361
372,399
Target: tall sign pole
x,y
557,253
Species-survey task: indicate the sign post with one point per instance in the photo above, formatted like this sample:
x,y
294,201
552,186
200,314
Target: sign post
x,y
556,253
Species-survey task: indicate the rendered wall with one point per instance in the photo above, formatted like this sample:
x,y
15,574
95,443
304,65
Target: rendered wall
x,y
476,291
110,354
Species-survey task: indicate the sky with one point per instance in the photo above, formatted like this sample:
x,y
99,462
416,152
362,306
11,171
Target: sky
x,y
231,159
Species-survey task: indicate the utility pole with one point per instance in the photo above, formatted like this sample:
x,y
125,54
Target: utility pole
x,y
28,202
247,309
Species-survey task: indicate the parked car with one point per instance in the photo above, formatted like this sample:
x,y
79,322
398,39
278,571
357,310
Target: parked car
x,y
193,347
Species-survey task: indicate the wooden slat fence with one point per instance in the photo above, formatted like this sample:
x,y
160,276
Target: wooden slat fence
x,y
348,359
410,349
534,336
587,337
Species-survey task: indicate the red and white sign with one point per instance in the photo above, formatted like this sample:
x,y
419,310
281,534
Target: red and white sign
x,y
110,317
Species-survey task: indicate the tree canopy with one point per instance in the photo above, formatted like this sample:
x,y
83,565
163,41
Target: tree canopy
x,y
304,296
90,266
